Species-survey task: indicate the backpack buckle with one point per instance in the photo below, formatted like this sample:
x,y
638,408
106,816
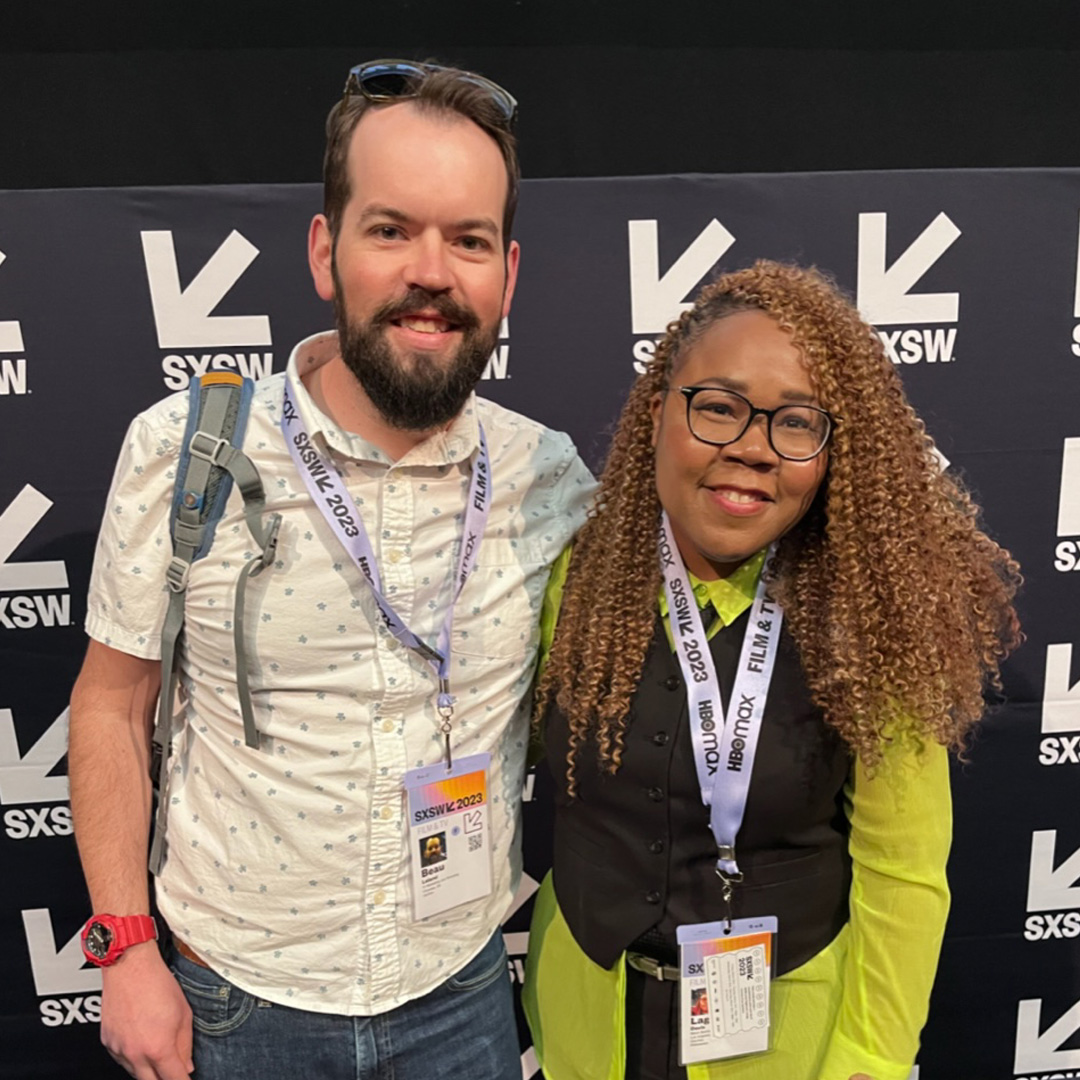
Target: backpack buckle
x,y
176,574
209,449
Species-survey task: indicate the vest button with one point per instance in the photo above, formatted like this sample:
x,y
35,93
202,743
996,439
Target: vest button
x,y
656,794
672,682
656,847
660,738
652,897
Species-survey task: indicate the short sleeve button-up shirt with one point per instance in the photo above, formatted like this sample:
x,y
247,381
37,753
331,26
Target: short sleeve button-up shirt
x,y
288,866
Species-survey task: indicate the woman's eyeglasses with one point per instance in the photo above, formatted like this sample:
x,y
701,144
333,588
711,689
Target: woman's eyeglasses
x,y
719,417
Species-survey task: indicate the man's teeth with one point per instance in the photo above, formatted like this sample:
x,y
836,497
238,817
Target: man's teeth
x,y
739,496
424,326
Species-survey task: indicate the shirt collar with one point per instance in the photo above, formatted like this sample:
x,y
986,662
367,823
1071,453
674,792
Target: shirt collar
x,y
456,443
729,596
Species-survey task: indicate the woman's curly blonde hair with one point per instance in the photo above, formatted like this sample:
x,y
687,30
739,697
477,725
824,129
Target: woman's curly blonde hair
x,y
899,605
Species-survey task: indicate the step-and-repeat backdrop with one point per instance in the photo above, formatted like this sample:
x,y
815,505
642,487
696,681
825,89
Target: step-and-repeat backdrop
x,y
110,299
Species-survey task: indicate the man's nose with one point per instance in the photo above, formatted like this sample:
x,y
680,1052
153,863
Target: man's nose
x,y
428,267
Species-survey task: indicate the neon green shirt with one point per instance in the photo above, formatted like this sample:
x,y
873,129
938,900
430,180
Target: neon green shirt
x,y
859,1005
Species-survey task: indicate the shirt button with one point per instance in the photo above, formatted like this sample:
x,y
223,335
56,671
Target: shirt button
x,y
656,794
672,682
379,897
660,738
652,897
395,555
388,725
386,813
656,847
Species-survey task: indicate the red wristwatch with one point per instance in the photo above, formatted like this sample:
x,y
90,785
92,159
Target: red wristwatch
x,y
105,937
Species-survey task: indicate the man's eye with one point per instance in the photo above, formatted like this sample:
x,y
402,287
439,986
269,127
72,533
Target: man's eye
x,y
388,232
473,243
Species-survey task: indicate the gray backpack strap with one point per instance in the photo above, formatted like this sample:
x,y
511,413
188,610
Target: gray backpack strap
x,y
210,462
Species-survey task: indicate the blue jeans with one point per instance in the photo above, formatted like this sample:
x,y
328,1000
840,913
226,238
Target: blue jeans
x,y
464,1028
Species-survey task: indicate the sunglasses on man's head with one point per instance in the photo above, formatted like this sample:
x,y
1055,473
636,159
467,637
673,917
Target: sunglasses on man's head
x,y
396,80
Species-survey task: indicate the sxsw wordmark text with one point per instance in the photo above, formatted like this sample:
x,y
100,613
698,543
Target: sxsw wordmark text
x,y
60,1012
28,822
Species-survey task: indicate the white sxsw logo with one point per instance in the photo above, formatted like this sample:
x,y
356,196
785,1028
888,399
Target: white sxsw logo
x,y
16,524
500,355
11,339
1051,889
1068,523
1061,702
884,295
56,971
1038,1053
25,778
183,316
1076,302
656,299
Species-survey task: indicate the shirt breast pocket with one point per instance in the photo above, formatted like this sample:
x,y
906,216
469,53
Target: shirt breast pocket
x,y
498,613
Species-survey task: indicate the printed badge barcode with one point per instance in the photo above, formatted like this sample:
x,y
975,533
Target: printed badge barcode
x,y
476,842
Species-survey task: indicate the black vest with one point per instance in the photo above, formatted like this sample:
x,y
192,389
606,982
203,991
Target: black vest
x,y
634,851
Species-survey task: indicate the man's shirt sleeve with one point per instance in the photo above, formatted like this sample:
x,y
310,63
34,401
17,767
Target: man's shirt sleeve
x,y
127,599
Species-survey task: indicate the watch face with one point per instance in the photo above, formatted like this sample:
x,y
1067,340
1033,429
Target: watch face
x,y
98,939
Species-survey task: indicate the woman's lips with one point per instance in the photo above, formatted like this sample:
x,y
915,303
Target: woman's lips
x,y
739,502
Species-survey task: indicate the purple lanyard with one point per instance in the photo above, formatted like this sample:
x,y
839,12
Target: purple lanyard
x,y
333,500
724,744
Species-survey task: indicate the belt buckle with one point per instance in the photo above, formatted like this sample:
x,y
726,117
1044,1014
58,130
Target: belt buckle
x,y
647,965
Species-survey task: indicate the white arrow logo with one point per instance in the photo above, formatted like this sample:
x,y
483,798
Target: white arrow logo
x,y
26,779
183,315
1076,298
656,300
11,339
884,294
16,524
1061,702
1069,500
56,972
1050,889
1038,1053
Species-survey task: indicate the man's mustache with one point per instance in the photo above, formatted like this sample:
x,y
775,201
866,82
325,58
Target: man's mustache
x,y
417,300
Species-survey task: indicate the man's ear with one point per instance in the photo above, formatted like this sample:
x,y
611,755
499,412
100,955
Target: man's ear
x,y
513,257
321,256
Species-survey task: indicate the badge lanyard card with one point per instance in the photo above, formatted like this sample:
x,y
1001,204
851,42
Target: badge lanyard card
x,y
448,805
725,967
449,837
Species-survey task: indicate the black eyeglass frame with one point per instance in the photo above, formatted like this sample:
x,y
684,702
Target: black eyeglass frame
x,y
361,74
690,392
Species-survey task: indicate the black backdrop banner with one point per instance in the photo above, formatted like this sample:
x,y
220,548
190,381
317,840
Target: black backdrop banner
x,y
110,299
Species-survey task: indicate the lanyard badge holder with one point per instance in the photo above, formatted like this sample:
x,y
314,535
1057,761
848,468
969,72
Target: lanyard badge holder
x,y
449,846
334,502
725,967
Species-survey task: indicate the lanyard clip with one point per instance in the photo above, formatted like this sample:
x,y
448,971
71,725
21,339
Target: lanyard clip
x,y
728,881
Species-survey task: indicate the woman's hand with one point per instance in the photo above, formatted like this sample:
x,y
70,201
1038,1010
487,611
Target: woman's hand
x,y
861,1076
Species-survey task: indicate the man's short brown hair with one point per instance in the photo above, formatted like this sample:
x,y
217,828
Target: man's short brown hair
x,y
439,90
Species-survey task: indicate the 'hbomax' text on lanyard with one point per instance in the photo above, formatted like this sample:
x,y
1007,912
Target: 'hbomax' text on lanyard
x,y
333,500
725,741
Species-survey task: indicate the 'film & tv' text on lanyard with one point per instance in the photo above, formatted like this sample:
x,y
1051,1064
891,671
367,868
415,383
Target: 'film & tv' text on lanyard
x,y
724,762
333,500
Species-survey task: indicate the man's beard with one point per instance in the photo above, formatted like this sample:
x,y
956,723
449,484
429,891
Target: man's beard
x,y
417,392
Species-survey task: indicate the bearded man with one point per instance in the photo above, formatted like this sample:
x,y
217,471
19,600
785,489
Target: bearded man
x,y
388,649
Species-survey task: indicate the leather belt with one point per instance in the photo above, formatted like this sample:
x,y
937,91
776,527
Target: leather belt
x,y
188,953
647,965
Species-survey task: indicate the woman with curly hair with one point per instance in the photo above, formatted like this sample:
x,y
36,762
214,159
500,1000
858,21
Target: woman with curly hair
x,y
774,543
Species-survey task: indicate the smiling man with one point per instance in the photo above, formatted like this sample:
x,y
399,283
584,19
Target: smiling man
x,y
388,649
